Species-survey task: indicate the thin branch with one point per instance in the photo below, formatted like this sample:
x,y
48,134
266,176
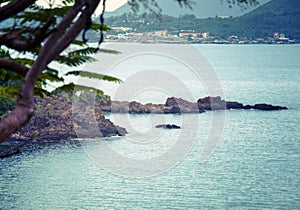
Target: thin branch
x,y
14,8
14,40
13,66
102,24
65,40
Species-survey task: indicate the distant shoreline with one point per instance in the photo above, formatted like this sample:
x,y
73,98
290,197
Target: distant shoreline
x,y
209,43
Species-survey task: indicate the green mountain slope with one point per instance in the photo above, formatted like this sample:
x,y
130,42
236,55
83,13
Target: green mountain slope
x,y
201,9
281,16
276,16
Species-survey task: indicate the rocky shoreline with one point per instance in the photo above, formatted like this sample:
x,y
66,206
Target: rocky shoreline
x,y
56,118
177,106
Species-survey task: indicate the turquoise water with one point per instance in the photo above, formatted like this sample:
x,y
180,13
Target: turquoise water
x,y
253,163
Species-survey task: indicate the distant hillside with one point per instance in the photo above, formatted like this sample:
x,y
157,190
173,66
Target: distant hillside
x,y
281,16
202,9
278,15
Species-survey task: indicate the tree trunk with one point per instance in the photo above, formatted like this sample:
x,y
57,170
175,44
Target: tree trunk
x,y
66,31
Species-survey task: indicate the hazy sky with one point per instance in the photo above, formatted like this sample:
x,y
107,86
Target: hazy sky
x,y
114,4
111,5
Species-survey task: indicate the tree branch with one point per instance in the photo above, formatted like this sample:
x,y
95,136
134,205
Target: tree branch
x,y
58,41
14,8
74,30
14,39
13,66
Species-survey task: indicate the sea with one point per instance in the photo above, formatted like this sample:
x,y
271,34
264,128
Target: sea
x,y
233,159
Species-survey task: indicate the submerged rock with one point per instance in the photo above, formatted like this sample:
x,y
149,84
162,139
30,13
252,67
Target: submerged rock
x,y
7,151
168,126
265,107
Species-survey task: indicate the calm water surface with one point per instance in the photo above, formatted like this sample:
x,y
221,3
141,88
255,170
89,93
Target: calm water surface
x,y
255,163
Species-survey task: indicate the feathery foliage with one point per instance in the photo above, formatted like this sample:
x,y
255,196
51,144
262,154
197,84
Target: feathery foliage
x,y
28,24
93,75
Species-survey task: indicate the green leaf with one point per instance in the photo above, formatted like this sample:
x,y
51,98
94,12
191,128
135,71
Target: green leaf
x,y
58,11
24,61
98,27
93,75
10,77
51,71
67,2
4,53
75,60
84,51
50,77
78,42
110,51
29,16
92,50
38,14
72,87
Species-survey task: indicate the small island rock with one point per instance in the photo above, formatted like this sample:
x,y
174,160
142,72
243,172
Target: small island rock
x,y
168,126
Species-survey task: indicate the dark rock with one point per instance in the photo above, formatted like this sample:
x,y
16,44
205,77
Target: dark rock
x,y
248,107
178,105
168,126
138,108
182,106
56,118
169,110
268,107
104,102
172,106
234,105
211,103
7,151
120,106
155,108
107,129
175,110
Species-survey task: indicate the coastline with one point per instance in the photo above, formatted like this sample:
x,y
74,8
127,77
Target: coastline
x,y
200,43
57,119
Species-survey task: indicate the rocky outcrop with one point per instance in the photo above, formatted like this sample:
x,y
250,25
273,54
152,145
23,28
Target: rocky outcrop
x,y
177,105
216,103
172,106
183,106
211,103
234,105
56,118
268,107
119,106
104,102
